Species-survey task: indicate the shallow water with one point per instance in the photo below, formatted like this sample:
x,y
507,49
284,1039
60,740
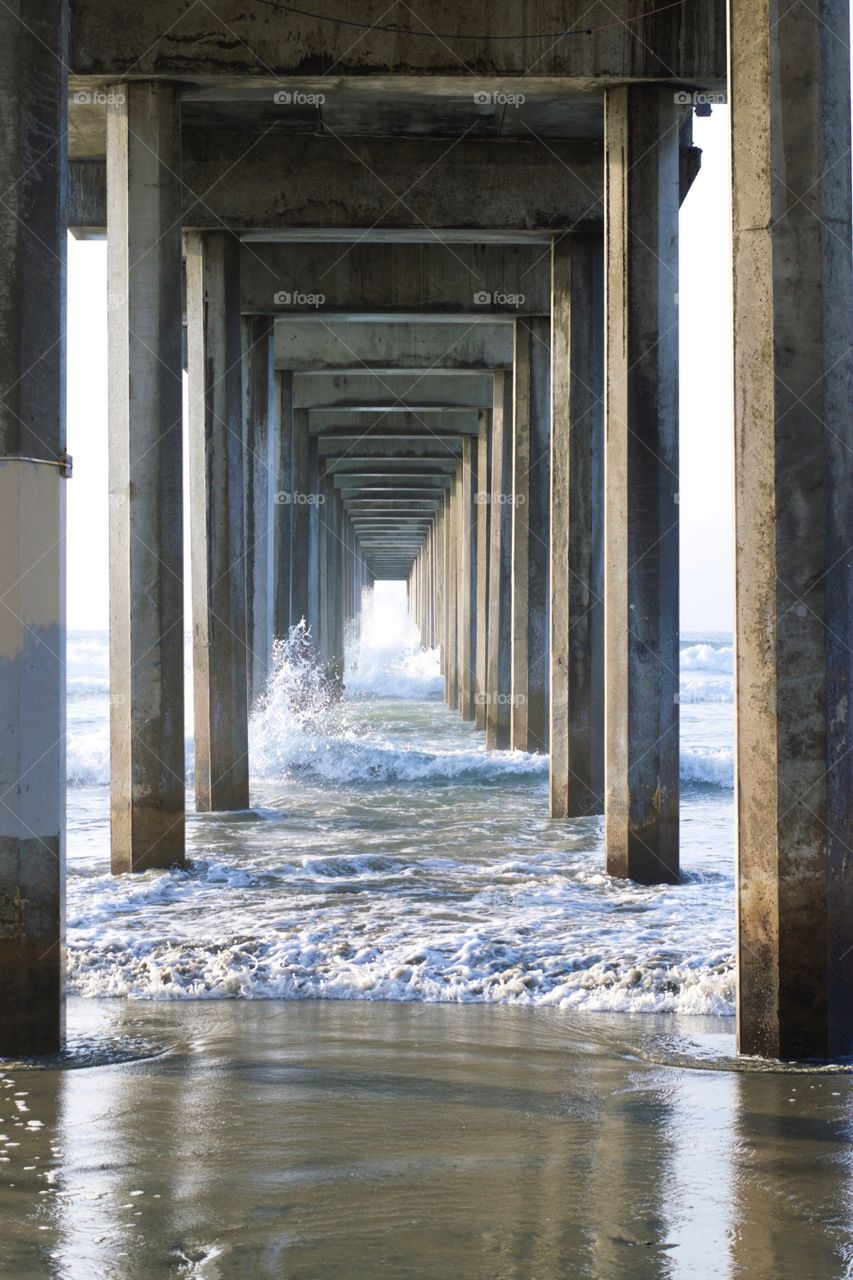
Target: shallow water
x,y
389,856
382,1141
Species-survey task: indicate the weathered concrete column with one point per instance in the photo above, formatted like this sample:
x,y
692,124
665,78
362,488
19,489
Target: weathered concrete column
x,y
440,592
531,537
303,502
482,499
217,525
259,436
794,526
499,672
147,786
641,469
33,58
282,509
577,528
330,632
468,582
451,669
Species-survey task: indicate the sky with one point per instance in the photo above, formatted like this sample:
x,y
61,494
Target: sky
x,y
706,483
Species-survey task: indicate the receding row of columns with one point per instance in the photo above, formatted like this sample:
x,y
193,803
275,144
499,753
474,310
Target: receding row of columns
x,y
547,573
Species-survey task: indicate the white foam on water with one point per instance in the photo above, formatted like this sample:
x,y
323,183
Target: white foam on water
x,y
387,659
390,856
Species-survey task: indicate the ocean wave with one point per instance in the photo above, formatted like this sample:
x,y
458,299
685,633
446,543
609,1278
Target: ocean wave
x,y
707,688
713,766
707,657
472,969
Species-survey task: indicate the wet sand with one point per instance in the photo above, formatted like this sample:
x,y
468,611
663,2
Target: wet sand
x,y
316,1140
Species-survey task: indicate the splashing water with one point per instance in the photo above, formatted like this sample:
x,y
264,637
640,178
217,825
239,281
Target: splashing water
x,y
390,856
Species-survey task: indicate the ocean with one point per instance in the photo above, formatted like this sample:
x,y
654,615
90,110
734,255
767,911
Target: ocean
x,y
388,856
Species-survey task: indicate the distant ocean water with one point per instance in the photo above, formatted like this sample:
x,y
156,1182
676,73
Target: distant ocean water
x,y
389,856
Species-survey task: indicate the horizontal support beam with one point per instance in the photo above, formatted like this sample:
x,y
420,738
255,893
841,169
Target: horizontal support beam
x,y
398,449
204,44
248,181
430,422
309,345
406,279
358,390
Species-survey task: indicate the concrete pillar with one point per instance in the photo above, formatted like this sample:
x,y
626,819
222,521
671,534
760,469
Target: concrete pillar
x,y
303,501
33,58
499,674
641,470
147,786
259,436
468,582
330,630
482,499
577,504
217,525
451,668
531,537
440,559
794,526
282,509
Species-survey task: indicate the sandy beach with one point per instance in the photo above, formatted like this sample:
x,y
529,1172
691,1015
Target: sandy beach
x,y
320,1139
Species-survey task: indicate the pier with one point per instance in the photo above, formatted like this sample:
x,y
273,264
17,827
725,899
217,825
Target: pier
x,y
421,283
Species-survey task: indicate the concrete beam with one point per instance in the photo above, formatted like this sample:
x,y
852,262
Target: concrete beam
x,y
428,422
176,39
309,345
641,463
147,789
363,389
256,183
33,58
322,280
794,527
405,449
217,523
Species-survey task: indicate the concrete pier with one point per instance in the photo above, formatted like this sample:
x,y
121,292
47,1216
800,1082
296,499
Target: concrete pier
x,y
282,487
499,661
260,435
641,484
33,94
794,528
484,473
476,396
146,476
217,527
531,538
577,529
468,582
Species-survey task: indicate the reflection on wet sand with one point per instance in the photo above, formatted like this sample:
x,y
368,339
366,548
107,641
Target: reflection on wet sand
x,y
317,1140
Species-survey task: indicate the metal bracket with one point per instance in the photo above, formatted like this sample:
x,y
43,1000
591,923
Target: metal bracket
x,y
65,463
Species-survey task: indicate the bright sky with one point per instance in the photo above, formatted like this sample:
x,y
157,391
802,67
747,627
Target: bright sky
x,y
706,428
